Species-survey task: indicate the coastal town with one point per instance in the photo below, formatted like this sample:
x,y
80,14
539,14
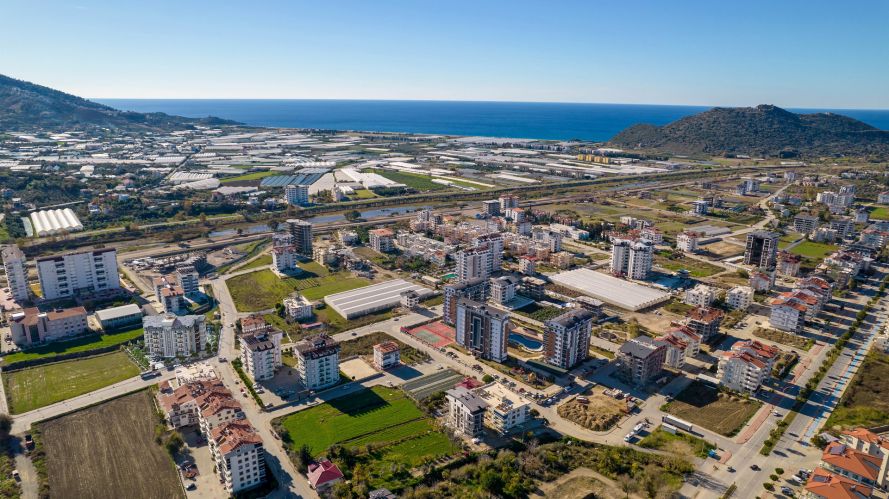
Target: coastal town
x,y
301,313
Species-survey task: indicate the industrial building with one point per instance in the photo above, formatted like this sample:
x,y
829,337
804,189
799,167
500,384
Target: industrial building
x,y
373,298
618,292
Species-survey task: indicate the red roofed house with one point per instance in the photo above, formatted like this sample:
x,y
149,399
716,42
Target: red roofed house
x,y
844,460
746,366
323,475
826,485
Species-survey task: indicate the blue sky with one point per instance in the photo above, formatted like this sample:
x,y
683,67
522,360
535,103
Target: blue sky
x,y
817,54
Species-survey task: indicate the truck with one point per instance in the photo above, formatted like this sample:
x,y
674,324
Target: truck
x,y
678,423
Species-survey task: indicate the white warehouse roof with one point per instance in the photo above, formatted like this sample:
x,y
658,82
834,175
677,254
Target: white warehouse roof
x,y
52,222
618,292
373,298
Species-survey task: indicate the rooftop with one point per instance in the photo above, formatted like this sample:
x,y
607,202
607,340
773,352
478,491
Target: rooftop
x,y
624,294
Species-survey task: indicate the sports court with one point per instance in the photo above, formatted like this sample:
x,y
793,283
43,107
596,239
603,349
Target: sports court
x,y
436,334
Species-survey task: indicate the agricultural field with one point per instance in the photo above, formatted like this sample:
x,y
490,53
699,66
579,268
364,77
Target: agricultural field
x,y
866,401
248,177
810,249
108,450
682,444
880,213
262,290
36,387
82,344
385,430
412,180
706,406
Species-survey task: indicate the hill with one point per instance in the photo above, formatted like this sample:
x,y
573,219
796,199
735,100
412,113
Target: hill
x,y
28,106
759,131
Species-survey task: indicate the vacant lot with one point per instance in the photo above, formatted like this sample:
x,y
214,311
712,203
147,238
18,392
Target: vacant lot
x,y
784,338
262,290
364,346
40,386
600,413
681,443
810,249
384,429
675,262
705,406
257,263
109,451
866,401
82,344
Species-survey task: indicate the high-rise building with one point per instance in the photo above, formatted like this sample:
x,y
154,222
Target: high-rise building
x,y
382,240
261,354
494,241
168,336
296,195
566,338
762,249
14,266
640,360
482,329
474,289
474,263
491,207
631,258
508,201
318,362
65,275
301,231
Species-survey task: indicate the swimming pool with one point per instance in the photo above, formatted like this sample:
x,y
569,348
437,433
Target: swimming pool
x,y
529,343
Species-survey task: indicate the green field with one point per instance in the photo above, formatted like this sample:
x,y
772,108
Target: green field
x,y
36,387
262,290
381,426
719,412
248,176
880,213
412,180
681,443
260,262
695,268
82,344
866,401
810,249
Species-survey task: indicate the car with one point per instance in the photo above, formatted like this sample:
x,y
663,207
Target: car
x,y
754,467
191,486
15,474
29,441
354,334
222,359
787,491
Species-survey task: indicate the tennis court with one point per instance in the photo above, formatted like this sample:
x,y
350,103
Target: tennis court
x,y
436,334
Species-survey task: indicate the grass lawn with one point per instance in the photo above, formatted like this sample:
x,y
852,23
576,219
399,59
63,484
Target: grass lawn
x,y
84,343
681,443
40,386
866,401
261,262
248,176
338,285
719,412
694,267
262,289
364,194
412,180
784,338
880,213
810,249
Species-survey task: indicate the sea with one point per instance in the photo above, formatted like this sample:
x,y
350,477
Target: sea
x,y
531,120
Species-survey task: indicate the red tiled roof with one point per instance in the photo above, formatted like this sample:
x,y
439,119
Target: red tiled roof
x,y
830,486
323,472
844,457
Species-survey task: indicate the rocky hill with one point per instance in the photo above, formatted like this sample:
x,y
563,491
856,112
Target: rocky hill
x,y
759,131
28,106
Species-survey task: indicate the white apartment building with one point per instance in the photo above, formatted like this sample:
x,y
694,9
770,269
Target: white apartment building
x,y
482,329
494,242
566,338
387,355
284,258
32,327
318,362
746,366
168,336
687,241
739,297
505,410
631,258
296,195
298,307
64,275
189,279
14,264
528,265
382,240
503,289
466,412
700,295
238,452
474,263
261,354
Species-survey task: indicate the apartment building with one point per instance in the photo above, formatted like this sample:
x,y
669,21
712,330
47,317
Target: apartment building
x,y
301,231
746,366
788,263
387,355
789,311
687,241
238,452
298,307
862,468
700,296
482,329
296,195
640,360
631,258
505,409
503,289
474,263
32,327
318,362
494,242
844,226
528,265
826,485
170,294
805,224
762,249
424,247
473,289
762,281
382,240
466,411
704,321
188,278
14,266
87,271
261,354
739,297
566,338
169,336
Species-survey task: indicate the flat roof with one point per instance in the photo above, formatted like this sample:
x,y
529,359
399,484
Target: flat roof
x,y
372,298
118,312
618,292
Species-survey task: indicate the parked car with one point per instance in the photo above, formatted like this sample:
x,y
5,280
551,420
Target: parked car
x,y
191,486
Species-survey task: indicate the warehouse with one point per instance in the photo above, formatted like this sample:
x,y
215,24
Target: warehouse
x,y
374,298
618,292
52,222
118,317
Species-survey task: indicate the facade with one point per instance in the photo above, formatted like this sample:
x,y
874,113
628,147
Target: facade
x,y
189,279
704,321
788,263
505,409
630,258
238,452
296,195
88,271
640,360
409,299
503,289
284,258
387,355
739,297
301,231
14,263
805,224
491,207
687,241
482,329
169,294
382,240
788,314
494,243
746,366
466,411
762,249
762,281
118,317
168,336
566,338
318,362
261,354
473,289
528,265
700,296
298,307
32,327
474,263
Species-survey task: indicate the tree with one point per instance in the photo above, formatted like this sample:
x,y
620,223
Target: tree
x,y
303,458
632,328
174,443
5,425
487,378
